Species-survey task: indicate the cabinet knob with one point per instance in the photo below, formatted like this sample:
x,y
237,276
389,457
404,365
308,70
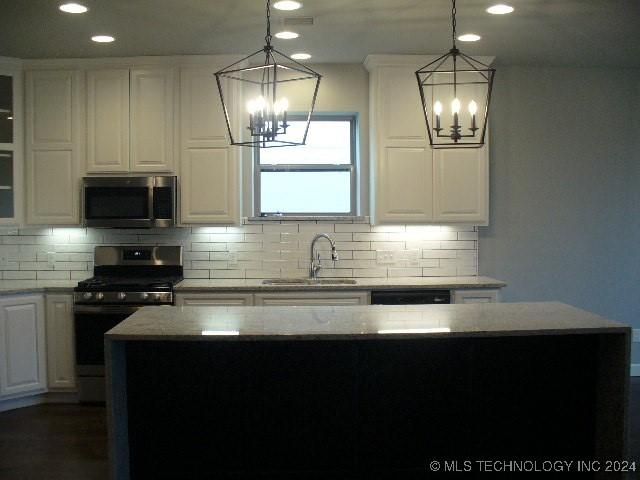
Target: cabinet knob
x,y
122,296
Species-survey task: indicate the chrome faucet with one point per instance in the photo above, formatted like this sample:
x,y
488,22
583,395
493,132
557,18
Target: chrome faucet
x,y
315,256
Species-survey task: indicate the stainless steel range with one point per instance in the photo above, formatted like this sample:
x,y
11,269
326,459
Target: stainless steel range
x,y
126,278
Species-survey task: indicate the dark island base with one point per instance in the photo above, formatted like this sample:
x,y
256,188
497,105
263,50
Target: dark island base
x,y
369,408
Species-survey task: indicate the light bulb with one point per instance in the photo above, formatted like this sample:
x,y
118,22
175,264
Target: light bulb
x,y
455,106
473,107
437,107
500,9
73,8
260,103
280,106
251,107
102,38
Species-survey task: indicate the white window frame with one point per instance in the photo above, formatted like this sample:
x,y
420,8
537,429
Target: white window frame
x,y
351,167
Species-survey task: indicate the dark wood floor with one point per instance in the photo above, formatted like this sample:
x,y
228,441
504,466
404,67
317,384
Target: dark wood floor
x,y
70,441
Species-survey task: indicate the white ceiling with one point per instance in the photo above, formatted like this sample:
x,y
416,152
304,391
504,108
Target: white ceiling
x,y
539,32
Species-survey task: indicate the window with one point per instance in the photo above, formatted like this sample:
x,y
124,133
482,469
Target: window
x,y
315,179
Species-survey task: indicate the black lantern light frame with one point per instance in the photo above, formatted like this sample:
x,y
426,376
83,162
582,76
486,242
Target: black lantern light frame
x,y
456,70
273,69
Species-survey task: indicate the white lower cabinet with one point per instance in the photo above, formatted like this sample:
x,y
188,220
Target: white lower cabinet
x,y
312,298
485,295
214,299
22,346
60,343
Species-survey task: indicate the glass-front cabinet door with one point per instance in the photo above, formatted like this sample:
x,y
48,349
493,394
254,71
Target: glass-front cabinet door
x,y
10,146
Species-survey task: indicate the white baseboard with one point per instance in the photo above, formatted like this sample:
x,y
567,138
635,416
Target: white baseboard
x,y
51,397
635,369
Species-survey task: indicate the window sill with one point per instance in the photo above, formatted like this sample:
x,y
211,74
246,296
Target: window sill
x,y
302,218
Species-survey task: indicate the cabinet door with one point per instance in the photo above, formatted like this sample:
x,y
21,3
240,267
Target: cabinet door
x,y
108,121
209,167
60,342
404,185
461,183
209,190
11,141
152,111
53,146
22,347
401,119
475,296
312,299
214,299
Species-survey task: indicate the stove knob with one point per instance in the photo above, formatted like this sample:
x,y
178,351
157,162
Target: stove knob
x,y
122,296
87,295
144,296
157,296
99,296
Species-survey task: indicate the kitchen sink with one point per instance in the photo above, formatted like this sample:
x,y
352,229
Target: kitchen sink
x,y
309,281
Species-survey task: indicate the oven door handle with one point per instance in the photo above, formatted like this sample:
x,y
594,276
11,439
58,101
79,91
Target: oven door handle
x,y
105,309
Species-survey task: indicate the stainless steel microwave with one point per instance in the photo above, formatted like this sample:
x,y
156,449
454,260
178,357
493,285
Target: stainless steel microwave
x,y
129,202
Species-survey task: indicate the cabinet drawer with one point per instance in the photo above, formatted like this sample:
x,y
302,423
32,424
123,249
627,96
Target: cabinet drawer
x,y
312,299
213,300
487,295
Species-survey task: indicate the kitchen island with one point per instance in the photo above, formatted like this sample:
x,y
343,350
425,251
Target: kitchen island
x,y
363,391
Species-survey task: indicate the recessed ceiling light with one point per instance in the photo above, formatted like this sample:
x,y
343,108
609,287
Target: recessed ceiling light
x,y
500,9
469,37
301,56
287,35
102,38
73,8
287,5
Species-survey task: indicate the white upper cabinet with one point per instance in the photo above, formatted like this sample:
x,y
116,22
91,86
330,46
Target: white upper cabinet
x,y
400,117
53,146
11,143
410,181
461,183
22,346
404,192
152,127
108,120
209,166
130,120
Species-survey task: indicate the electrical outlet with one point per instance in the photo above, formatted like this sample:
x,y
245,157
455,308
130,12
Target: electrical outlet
x,y
385,257
636,335
232,259
51,259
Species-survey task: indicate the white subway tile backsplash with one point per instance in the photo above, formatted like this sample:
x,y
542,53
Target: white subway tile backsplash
x,y
21,275
256,250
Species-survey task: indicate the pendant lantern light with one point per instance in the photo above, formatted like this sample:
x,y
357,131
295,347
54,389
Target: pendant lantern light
x,y
269,81
455,90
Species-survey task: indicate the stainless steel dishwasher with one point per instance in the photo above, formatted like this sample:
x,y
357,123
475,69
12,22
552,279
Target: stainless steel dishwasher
x,y
410,297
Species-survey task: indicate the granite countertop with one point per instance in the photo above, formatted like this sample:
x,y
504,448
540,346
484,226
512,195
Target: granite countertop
x,y
370,321
9,287
196,285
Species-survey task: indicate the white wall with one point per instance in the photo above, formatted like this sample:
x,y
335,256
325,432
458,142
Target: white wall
x,y
565,189
343,88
